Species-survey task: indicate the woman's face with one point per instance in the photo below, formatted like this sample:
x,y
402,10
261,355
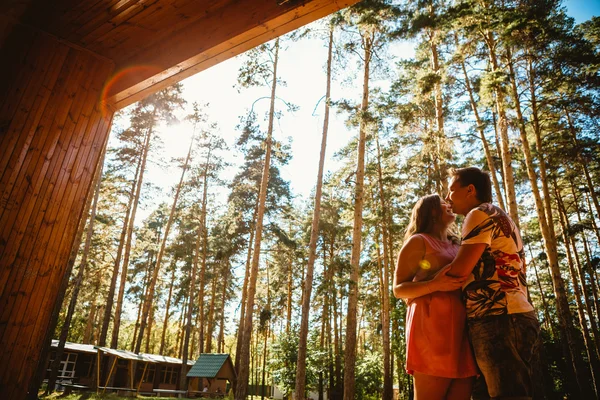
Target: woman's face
x,y
446,214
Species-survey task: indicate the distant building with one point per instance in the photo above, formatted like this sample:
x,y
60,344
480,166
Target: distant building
x,y
120,370
212,371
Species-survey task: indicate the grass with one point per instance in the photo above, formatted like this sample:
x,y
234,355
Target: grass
x,y
94,396
109,396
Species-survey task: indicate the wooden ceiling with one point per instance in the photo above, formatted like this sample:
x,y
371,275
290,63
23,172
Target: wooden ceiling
x,y
155,43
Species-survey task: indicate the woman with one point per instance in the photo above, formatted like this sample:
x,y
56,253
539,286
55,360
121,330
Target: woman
x,y
438,353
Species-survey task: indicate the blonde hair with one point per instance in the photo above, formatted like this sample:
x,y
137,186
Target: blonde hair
x,y
423,217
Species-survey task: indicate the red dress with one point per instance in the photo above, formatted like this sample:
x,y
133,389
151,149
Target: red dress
x,y
436,335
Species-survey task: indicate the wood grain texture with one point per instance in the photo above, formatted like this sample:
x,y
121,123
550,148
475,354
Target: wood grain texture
x,y
54,140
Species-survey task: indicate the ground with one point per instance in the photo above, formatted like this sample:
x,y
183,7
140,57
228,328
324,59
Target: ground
x,y
94,396
108,396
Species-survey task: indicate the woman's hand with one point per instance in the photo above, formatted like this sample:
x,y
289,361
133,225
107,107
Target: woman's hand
x,y
442,282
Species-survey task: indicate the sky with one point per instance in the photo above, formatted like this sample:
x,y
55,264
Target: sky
x,y
582,10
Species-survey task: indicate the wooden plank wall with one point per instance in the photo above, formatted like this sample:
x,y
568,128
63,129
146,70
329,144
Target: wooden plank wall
x,y
52,131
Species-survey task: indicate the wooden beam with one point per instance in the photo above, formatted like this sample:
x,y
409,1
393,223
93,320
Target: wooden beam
x,y
109,374
98,372
143,376
178,57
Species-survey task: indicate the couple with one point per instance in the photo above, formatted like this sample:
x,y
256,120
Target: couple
x,y
443,353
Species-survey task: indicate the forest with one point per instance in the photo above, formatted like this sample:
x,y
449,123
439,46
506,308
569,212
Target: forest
x,y
298,288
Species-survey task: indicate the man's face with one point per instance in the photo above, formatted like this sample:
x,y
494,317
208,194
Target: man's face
x,y
460,197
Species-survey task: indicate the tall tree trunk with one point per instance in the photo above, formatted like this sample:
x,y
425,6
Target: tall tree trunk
x,y
264,364
187,311
324,329
537,130
562,306
549,326
246,334
480,128
144,295
509,184
97,323
591,188
149,327
586,172
350,343
238,345
398,348
190,308
253,362
133,203
592,219
89,326
546,226
440,136
590,348
211,316
385,281
113,283
202,278
329,296
584,285
586,249
221,341
126,223
337,327
498,147
182,328
167,311
314,236
149,301
289,305
571,346
195,335
204,235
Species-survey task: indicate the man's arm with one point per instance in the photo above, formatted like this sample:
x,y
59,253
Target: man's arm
x,y
465,260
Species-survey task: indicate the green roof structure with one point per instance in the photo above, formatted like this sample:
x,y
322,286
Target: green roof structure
x,y
211,365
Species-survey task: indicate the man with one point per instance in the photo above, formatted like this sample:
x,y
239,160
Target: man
x,y
503,326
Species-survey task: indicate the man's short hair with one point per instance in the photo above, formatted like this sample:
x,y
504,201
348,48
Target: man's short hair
x,y
476,177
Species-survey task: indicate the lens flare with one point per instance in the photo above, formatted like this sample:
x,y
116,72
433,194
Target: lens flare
x,y
126,81
424,264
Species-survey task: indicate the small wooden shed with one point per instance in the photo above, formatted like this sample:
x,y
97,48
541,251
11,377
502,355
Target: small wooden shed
x,y
212,370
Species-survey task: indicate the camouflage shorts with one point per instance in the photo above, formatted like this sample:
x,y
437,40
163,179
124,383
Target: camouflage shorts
x,y
503,346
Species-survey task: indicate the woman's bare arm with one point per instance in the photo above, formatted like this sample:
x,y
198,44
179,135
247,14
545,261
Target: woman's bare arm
x,y
407,266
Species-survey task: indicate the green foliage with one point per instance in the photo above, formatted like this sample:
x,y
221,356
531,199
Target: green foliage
x,y
284,357
369,376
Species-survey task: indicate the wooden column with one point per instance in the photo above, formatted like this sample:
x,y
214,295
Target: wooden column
x,y
52,131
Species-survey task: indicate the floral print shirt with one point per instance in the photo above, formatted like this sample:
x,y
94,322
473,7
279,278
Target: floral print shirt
x,y
497,284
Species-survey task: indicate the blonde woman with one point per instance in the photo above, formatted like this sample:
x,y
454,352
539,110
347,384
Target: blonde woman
x,y
438,353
